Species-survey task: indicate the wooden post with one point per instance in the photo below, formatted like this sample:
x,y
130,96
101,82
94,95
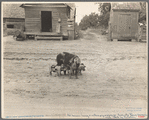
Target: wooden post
x,y
109,32
35,37
115,40
25,37
61,39
133,40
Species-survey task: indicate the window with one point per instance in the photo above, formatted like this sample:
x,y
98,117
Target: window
x,y
10,26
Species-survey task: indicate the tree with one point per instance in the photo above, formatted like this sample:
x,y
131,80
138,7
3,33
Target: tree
x,y
91,20
104,9
142,13
95,20
84,24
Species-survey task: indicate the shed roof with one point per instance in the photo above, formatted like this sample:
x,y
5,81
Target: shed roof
x,y
13,11
73,10
46,5
126,6
72,5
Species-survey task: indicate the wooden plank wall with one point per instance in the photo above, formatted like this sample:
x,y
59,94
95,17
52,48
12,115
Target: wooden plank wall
x,y
33,18
143,35
14,19
18,25
114,23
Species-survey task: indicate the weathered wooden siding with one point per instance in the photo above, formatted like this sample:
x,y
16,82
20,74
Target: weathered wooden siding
x,y
33,18
114,19
143,33
68,13
16,22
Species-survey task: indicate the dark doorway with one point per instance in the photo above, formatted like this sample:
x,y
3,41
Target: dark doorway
x,y
46,21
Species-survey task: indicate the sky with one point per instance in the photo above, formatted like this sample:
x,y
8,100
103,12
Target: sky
x,y
85,8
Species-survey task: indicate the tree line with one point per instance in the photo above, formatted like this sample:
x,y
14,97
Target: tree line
x,y
101,20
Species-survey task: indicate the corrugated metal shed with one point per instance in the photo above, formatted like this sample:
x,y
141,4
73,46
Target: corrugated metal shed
x,y
13,11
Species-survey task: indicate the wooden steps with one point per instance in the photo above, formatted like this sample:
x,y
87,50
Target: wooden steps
x,y
42,33
45,35
48,38
143,36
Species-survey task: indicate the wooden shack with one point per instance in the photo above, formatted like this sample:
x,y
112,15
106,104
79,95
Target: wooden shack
x,y
47,21
143,23
13,18
123,24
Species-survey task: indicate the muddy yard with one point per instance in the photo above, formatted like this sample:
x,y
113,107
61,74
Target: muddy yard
x,y
115,80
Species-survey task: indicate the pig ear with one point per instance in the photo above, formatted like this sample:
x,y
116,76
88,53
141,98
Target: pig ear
x,y
53,66
71,60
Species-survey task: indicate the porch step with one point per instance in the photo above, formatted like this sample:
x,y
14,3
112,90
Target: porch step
x,y
143,41
48,38
143,37
41,33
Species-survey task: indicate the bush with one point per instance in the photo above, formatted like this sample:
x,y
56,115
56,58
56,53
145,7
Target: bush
x,y
89,21
78,33
19,34
95,21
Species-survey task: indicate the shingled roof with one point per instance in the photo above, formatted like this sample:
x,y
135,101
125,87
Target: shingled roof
x,y
13,11
126,6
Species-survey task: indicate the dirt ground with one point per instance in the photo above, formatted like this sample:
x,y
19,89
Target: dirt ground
x,y
114,83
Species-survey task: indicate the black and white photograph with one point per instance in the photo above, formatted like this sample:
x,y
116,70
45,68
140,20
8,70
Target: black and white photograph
x,y
74,60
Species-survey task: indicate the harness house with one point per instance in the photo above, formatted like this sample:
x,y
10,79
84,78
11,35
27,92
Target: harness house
x,y
49,21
